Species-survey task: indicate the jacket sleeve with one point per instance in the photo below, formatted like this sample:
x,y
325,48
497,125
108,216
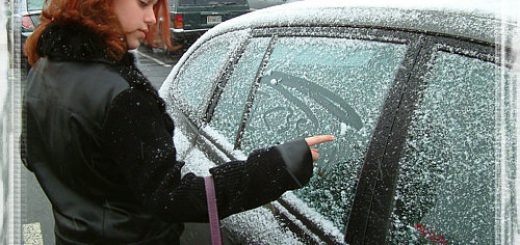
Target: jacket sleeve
x,y
136,137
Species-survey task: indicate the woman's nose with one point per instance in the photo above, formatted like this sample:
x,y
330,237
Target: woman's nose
x,y
149,17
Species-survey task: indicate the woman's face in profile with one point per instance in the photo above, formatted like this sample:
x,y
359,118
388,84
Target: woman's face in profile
x,y
135,17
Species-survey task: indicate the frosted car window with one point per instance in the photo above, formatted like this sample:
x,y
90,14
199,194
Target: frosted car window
x,y
324,85
197,77
445,190
228,113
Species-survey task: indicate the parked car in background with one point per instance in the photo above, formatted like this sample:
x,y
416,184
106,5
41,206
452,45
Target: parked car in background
x,y
415,94
191,18
259,4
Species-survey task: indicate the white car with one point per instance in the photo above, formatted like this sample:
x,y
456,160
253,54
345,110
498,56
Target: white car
x,y
415,94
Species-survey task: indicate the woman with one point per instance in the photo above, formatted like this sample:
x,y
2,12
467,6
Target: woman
x,y
99,141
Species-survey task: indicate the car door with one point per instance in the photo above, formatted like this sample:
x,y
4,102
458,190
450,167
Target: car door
x,y
295,82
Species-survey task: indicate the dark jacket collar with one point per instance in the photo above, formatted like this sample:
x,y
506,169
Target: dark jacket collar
x,y
76,42
72,42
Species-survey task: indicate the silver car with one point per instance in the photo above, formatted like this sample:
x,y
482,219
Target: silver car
x,y
417,96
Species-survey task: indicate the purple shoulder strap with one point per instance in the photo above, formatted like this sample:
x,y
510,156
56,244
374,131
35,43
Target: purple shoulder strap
x,y
216,238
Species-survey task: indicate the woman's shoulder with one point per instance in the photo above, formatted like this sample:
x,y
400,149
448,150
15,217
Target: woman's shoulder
x,y
83,77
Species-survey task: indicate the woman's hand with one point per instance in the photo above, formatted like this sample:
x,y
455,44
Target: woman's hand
x,y
295,155
318,139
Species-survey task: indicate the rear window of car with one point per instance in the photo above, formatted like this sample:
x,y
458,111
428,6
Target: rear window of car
x,y
211,2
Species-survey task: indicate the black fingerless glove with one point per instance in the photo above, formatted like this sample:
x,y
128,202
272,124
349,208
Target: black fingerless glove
x,y
298,162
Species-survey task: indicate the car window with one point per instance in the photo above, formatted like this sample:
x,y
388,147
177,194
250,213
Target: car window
x,y
446,186
228,112
203,68
324,85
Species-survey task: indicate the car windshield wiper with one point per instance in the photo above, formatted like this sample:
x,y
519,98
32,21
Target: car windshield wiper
x,y
229,3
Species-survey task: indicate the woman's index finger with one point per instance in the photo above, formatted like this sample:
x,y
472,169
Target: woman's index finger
x,y
318,139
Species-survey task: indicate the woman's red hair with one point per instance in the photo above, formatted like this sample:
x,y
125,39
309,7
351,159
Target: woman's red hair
x,y
98,16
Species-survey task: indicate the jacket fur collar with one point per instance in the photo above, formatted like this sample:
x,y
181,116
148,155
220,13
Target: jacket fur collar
x,y
75,42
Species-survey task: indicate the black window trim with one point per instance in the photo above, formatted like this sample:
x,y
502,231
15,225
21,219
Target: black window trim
x,y
250,98
222,80
374,167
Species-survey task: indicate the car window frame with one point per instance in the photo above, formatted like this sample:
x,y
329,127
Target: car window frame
x,y
376,225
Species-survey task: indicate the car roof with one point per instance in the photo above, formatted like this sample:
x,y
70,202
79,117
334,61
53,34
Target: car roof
x,y
482,20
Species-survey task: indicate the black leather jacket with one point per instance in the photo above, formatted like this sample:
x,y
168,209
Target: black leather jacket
x,y
99,141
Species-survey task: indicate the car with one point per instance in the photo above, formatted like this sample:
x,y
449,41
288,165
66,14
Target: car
x,y
191,18
418,96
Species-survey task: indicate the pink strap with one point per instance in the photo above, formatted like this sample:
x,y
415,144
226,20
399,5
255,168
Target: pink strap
x,y
214,225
